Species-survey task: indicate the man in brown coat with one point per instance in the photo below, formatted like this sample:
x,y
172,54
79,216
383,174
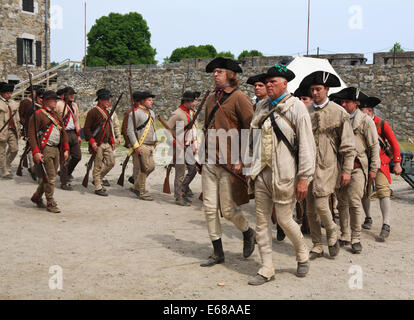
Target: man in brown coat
x,y
228,110
9,124
335,155
178,122
366,165
52,139
68,110
98,132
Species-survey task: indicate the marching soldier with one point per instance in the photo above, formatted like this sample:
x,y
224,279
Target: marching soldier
x,y
283,165
383,179
68,110
334,141
48,130
183,116
9,126
259,88
223,188
25,112
142,137
101,139
366,165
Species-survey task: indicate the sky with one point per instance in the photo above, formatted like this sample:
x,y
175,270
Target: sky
x,y
273,27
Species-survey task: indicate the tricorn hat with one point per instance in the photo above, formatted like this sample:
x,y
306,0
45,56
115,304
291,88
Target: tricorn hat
x,y
302,92
224,63
280,70
189,96
103,94
323,78
61,91
69,91
257,78
140,95
370,102
6,87
351,93
50,94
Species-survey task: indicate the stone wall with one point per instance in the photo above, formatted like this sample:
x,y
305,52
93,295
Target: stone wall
x,y
16,23
393,84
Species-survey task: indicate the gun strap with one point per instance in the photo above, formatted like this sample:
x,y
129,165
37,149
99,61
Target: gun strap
x,y
213,112
280,135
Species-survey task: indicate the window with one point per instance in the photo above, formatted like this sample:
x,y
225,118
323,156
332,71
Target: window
x,y
28,5
27,51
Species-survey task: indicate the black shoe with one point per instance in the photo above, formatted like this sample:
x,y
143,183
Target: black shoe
x,y
104,189
70,178
66,187
280,233
188,200
334,250
258,280
343,243
137,193
385,232
131,180
367,223
249,239
106,183
101,192
313,255
302,269
357,247
217,257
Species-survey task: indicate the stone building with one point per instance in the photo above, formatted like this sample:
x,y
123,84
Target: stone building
x,y
24,36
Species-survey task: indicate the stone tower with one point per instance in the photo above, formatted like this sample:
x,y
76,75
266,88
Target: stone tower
x,y
24,36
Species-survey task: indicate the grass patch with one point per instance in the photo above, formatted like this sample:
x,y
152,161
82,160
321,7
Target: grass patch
x,y
406,146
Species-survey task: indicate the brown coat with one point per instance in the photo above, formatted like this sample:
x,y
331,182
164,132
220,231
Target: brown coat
x,y
25,112
235,113
5,116
335,147
94,120
44,125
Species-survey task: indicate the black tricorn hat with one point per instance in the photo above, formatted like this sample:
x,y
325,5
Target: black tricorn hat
x,y
61,91
140,95
257,78
6,87
189,96
280,70
302,92
224,63
370,102
197,94
351,93
50,94
40,92
323,78
103,94
69,91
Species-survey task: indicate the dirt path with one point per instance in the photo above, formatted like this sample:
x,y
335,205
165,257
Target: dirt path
x,y
122,248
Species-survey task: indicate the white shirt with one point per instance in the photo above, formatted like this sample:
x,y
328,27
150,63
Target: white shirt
x,y
321,106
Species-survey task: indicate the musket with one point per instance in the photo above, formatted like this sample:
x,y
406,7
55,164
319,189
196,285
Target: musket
x,y
41,164
92,159
19,171
8,121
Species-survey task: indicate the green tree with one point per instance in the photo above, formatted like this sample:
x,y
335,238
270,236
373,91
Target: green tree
x,y
397,47
119,39
251,53
202,51
225,54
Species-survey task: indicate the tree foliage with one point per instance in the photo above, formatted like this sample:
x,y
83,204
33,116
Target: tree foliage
x,y
251,53
119,39
225,54
202,51
397,47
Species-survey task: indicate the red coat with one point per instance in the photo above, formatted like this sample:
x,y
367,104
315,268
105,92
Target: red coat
x,y
389,135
